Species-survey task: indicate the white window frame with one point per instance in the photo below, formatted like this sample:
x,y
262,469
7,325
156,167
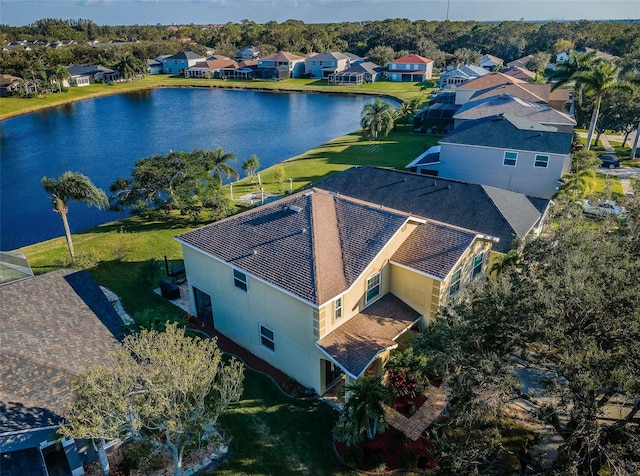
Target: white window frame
x,y
477,268
238,282
337,309
377,276
505,158
265,338
456,280
543,159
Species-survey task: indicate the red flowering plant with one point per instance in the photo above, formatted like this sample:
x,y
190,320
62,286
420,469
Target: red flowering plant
x,y
403,384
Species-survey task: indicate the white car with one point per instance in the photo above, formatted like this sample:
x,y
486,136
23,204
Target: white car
x,y
602,209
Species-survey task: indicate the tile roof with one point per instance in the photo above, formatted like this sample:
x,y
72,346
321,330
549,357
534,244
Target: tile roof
x,y
53,327
495,212
411,59
312,244
505,131
434,248
507,104
356,343
488,80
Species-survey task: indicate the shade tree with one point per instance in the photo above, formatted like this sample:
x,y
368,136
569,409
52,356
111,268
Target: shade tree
x,y
163,388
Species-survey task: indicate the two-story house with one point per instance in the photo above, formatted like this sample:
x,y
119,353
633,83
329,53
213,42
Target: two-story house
x,y
515,106
490,62
412,68
176,64
322,285
504,151
325,64
294,64
456,76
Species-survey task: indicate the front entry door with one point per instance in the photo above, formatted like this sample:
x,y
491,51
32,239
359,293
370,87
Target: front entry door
x,y
204,310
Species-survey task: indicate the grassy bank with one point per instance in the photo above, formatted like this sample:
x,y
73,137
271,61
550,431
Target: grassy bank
x,y
13,106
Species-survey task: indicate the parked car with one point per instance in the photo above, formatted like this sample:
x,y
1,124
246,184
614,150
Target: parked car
x,y
601,209
609,161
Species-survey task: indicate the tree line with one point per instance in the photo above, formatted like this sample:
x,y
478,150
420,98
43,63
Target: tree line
x,y
434,39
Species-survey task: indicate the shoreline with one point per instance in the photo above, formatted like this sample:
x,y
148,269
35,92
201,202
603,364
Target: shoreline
x,y
145,87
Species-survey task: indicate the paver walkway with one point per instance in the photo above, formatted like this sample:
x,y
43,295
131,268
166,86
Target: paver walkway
x,y
422,418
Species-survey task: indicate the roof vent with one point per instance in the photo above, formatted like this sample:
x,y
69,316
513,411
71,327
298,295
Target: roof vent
x,y
255,252
303,231
309,193
295,209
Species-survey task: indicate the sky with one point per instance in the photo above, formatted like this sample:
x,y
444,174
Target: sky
x,y
166,12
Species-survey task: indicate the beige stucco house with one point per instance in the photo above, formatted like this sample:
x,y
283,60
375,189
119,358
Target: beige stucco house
x,y
321,285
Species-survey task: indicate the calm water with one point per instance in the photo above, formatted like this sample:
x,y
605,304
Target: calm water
x,y
103,137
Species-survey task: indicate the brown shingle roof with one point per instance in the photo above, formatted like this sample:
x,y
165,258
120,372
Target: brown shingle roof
x,y
53,327
312,244
434,248
356,343
488,81
282,56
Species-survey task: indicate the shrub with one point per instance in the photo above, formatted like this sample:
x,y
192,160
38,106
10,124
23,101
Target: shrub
x,y
403,384
375,461
136,452
354,457
408,458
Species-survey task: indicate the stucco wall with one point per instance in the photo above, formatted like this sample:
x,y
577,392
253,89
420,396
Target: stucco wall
x,y
484,165
238,315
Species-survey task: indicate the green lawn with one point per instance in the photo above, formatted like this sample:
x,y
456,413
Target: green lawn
x,y
13,105
275,434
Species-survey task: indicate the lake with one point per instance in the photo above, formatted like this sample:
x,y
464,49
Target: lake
x,y
103,137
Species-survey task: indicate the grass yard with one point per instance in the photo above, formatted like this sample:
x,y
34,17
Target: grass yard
x,y
606,183
275,434
12,106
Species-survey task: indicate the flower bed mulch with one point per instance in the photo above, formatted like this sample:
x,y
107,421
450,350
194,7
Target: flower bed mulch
x,y
408,406
392,449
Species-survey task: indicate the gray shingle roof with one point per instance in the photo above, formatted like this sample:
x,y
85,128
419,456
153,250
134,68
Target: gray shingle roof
x,y
356,343
315,250
185,55
53,327
507,104
434,248
505,131
88,69
328,56
500,213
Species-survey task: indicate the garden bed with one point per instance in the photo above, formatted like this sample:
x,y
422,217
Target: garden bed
x,y
389,451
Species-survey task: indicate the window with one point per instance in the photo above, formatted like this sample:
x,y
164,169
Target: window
x,y
541,161
267,339
240,280
455,282
337,308
477,265
510,159
373,287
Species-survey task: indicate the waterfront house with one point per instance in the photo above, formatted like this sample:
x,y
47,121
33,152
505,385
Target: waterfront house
x,y
514,106
362,72
322,65
491,211
456,76
154,66
53,327
176,64
322,285
504,151
86,74
247,53
210,68
293,64
412,68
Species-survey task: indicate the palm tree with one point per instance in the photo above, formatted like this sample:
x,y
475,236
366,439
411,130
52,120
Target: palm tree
x,y
34,71
365,405
403,112
578,184
130,66
72,186
376,117
217,163
565,72
59,73
250,166
600,79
